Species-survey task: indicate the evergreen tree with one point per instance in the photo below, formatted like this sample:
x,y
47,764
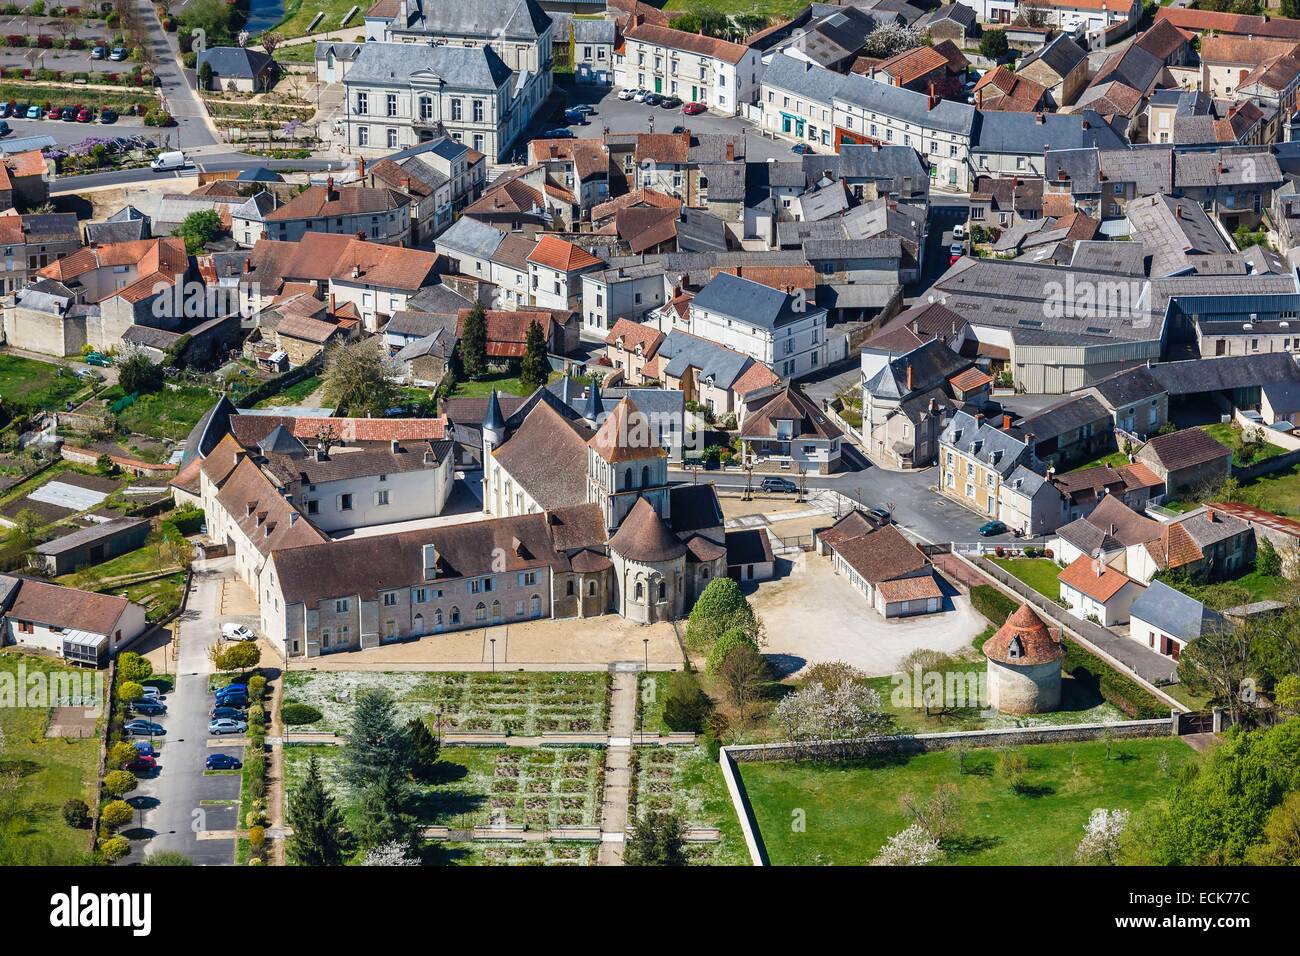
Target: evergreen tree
x,y
317,823
424,749
375,743
657,840
473,342
386,816
534,370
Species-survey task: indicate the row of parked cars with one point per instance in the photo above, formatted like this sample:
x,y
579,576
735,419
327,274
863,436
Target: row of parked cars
x,y
666,101
68,114
101,52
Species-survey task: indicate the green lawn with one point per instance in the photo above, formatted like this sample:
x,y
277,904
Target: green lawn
x,y
1226,434
481,388
298,15
848,811
1039,573
142,559
1115,459
51,770
294,394
170,413
38,384
158,597
298,53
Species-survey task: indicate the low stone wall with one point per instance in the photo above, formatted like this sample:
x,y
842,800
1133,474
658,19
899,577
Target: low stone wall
x,y
928,743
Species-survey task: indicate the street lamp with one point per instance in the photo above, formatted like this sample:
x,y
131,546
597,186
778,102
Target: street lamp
x,y
493,642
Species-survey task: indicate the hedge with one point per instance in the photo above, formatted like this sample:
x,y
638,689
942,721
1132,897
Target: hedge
x,y
992,603
294,714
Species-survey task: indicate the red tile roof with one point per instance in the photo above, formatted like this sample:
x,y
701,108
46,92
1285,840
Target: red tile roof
x,y
1090,577
555,253
911,65
1028,635
690,42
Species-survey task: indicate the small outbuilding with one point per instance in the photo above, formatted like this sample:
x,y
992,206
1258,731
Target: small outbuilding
x,y
1024,665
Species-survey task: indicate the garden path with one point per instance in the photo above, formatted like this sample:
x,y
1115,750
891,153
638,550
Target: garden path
x,y
618,768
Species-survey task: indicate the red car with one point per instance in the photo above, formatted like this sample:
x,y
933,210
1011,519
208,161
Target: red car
x,y
694,109
54,113
143,762
85,116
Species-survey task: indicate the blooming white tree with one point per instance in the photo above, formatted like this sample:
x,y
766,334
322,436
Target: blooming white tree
x,y
815,712
910,847
389,854
889,39
1101,836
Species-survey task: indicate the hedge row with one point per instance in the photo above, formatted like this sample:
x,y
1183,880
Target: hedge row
x,y
1090,670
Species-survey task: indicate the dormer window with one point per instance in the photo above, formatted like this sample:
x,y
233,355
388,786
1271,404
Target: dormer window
x,y
1015,649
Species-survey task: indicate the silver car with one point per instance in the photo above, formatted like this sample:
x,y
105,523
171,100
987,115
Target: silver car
x,y
224,725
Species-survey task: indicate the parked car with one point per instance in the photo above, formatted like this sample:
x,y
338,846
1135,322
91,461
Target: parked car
x,y
576,117
222,762
671,102
85,115
586,109
626,94
640,95
142,762
6,110
229,713
236,687
237,632
31,112
150,708
653,99
107,116
774,483
677,130
95,358
119,53
992,528
69,114
150,692
98,52
559,133
959,232
800,148
880,514
694,109
955,252
54,113
144,747
232,698
225,725
144,728
5,128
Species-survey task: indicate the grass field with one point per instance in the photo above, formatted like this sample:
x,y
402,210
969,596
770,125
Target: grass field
x,y
298,15
850,810
481,388
50,771
1226,435
294,394
1039,573
142,559
166,414
159,597
785,9
1115,459
39,384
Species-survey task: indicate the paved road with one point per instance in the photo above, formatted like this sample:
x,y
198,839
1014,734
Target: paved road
x,y
184,801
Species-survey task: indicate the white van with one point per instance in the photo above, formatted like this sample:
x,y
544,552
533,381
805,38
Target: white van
x,y
165,162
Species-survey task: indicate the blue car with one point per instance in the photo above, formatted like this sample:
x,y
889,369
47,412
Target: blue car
x,y
144,748
222,762
5,110
557,134
150,708
992,528
33,112
800,148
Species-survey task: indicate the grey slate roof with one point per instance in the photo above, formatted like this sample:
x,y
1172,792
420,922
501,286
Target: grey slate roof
x,y
1224,372
1172,230
716,362
928,365
515,19
96,532
996,449
1065,416
1129,386
394,64
1175,613
234,61
1061,55
471,237
1022,133
750,303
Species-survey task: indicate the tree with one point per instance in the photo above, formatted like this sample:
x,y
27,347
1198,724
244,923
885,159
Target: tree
x,y
121,754
114,848
211,16
317,823
842,711
120,782
374,743
1034,12
658,839
686,706
424,749
937,816
910,847
128,692
76,814
117,813
1286,695
1013,767
993,44
473,342
357,379
205,77
1267,560
743,675
240,656
131,666
138,374
1281,846
269,41
199,228
23,533
724,645
889,39
1101,837
720,608
385,811
534,369
1217,663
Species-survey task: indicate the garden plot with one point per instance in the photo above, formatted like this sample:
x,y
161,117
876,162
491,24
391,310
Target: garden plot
x,y
65,494
688,782
517,703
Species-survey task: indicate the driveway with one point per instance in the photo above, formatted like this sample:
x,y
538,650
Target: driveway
x,y
189,810
812,615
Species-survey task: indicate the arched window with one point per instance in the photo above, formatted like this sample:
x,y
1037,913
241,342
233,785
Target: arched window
x,y
704,572
640,591
591,588
417,624
645,476
480,612
663,590
496,610
455,616
627,478
536,605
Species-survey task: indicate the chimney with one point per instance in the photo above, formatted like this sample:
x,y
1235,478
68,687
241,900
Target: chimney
x,y
1006,423
1209,513
731,151
1097,566
248,264
331,194
909,376
934,100
332,308
361,166
738,271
